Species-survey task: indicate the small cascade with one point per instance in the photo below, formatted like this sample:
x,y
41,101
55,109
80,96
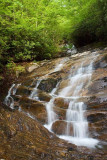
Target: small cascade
x,y
77,82
34,92
76,130
52,116
9,101
75,112
59,66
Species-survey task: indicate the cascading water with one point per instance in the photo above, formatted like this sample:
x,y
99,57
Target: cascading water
x,y
52,116
77,82
9,101
57,68
75,112
34,92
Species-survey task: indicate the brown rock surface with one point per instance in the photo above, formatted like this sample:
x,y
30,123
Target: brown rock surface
x,y
59,128
23,138
34,108
61,103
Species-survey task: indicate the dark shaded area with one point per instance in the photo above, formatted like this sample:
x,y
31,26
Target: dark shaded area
x,y
92,24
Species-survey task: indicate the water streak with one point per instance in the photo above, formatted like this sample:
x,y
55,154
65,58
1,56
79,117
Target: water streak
x,y
52,116
34,92
9,101
75,112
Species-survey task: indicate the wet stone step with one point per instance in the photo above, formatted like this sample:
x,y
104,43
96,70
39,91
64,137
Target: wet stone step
x,y
48,85
95,116
59,127
22,90
35,108
98,130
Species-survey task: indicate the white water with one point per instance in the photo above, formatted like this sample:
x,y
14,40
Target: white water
x,y
75,112
34,92
58,67
52,116
78,81
9,101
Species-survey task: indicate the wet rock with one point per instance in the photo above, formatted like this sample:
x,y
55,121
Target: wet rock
x,y
33,108
101,62
63,84
32,67
48,85
96,103
97,106
95,116
29,83
22,137
98,130
59,127
61,113
23,91
61,103
99,85
43,96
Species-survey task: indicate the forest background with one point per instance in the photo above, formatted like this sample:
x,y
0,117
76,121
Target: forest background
x,y
35,29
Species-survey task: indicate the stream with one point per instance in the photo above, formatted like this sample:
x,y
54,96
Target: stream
x,y
78,79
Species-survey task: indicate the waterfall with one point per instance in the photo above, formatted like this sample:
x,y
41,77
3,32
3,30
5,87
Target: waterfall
x,y
9,101
58,67
33,94
78,80
52,116
75,112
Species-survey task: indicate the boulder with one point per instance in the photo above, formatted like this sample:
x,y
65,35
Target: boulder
x,y
95,116
60,112
22,90
101,62
98,130
43,96
29,83
48,85
60,127
33,108
32,67
61,103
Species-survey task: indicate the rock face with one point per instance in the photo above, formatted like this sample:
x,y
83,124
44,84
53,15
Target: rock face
x,y
23,138
59,128
32,67
61,103
48,84
23,135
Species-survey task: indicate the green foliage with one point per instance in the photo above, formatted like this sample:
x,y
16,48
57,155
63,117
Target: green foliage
x,y
33,29
29,30
10,65
89,23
